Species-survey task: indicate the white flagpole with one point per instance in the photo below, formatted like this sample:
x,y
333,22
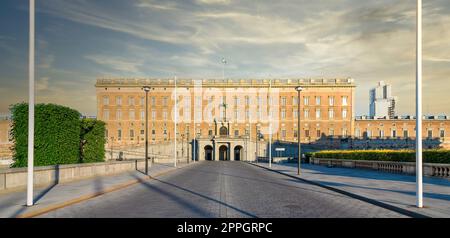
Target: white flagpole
x,y
270,123
419,185
30,174
176,121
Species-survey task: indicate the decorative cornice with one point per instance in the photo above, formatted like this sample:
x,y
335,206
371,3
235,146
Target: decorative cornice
x,y
276,83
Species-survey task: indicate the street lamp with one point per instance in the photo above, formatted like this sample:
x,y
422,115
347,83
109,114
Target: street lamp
x,y
146,89
31,76
419,172
299,89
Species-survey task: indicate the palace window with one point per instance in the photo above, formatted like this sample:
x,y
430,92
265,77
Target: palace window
x,y
319,134
142,101
295,113
306,101
344,113
306,113
131,101
405,133
131,134
165,115
119,114
294,101
344,101
106,114
105,100
153,101
283,101
318,100
132,115
119,134
283,113
307,133
236,133
154,114
430,134
331,113
142,115
283,133
295,133
442,133
394,133
165,101
119,101
331,132
318,113
331,100
198,101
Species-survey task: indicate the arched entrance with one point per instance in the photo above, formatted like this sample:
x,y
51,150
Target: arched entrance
x,y
208,152
238,153
223,153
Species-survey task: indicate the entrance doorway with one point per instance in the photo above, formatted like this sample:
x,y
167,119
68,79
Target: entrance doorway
x,y
237,153
223,153
208,153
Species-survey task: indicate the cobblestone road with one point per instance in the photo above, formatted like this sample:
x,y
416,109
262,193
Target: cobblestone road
x,y
223,189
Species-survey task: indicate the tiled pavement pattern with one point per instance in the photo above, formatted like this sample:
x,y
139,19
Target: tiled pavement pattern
x,y
12,203
393,189
223,189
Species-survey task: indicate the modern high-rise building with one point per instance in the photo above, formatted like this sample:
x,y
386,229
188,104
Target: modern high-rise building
x,y
382,103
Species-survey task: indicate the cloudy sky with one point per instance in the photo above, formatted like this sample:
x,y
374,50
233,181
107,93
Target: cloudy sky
x,y
80,40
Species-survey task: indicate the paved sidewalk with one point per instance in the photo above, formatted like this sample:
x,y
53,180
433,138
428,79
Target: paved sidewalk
x,y
12,204
393,189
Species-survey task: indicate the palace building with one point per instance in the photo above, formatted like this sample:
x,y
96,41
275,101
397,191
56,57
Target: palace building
x,y
225,117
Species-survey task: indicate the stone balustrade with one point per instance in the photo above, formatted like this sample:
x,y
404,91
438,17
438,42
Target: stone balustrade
x,y
16,178
429,169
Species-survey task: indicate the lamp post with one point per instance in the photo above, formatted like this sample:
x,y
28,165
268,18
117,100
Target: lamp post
x,y
146,89
270,124
419,178
299,89
256,141
187,147
30,172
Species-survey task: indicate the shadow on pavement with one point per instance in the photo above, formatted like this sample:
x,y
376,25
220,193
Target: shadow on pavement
x,y
187,204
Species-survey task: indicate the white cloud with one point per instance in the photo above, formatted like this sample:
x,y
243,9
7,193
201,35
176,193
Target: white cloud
x,y
115,63
42,84
223,2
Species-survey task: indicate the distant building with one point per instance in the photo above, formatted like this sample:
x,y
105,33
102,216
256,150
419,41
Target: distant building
x,y
382,103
